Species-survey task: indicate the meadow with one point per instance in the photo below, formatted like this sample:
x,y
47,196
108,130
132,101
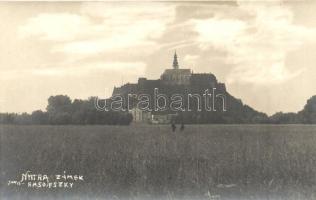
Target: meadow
x,y
152,162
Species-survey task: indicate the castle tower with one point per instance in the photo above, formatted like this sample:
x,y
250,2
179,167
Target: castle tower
x,y
176,76
175,64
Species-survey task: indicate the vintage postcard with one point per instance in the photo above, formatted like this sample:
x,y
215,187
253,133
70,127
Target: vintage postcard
x,y
161,100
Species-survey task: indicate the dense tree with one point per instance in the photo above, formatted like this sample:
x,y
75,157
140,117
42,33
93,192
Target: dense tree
x,y
308,114
284,118
305,116
39,117
61,111
7,118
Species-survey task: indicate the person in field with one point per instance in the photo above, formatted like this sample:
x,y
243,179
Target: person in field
x,y
173,126
182,126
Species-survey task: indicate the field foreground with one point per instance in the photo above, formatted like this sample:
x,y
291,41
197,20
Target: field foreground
x,y
152,162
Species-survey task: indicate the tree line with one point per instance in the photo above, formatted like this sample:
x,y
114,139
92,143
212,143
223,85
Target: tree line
x,y
61,110
306,116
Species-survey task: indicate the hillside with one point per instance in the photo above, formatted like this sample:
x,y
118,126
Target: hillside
x,y
220,107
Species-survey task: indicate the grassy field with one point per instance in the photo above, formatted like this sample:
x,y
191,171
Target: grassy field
x,y
146,162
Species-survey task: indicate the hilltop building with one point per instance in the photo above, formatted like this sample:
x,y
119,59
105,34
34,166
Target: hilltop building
x,y
176,76
174,80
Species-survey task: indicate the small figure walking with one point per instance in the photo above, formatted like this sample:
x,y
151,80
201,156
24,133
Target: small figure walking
x,y
182,126
173,126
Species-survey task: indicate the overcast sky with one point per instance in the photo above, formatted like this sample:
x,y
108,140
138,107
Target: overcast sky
x,y
265,53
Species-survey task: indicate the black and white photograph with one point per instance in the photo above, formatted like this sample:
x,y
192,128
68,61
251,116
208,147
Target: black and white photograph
x,y
158,100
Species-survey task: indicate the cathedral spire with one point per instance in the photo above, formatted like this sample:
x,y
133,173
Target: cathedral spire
x,y
175,64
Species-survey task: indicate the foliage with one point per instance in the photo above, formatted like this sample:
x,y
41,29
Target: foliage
x,y
305,116
61,111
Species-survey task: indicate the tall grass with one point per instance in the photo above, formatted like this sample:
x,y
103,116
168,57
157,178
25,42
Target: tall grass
x,y
209,161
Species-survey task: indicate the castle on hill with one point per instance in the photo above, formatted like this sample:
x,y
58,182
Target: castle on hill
x,y
175,77
172,81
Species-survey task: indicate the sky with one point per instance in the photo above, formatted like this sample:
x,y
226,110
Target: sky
x,y
264,51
